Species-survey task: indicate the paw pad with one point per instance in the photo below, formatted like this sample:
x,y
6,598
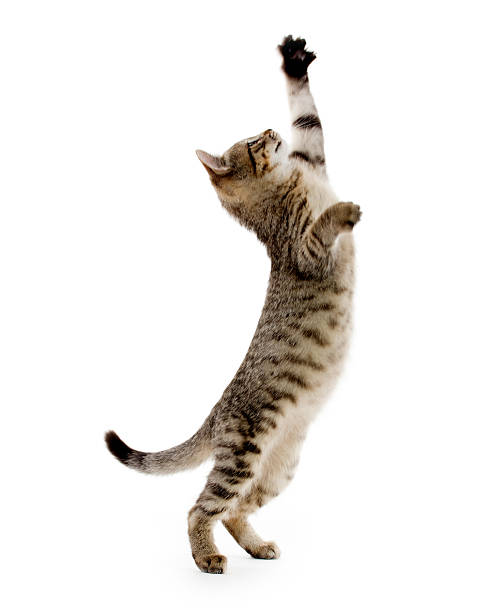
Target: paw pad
x,y
212,564
296,59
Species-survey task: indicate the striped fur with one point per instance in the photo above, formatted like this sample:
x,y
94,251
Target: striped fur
x,y
255,431
307,137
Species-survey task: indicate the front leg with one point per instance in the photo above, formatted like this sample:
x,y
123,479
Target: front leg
x,y
307,137
315,253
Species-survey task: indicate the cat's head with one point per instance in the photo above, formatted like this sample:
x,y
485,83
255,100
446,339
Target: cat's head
x,y
248,176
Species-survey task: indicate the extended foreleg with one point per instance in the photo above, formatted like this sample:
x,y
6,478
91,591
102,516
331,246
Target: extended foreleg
x,y
307,136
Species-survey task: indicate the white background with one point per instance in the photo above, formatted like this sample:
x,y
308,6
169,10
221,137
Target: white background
x,y
128,299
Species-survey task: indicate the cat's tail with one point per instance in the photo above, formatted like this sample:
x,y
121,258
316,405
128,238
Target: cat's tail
x,y
185,456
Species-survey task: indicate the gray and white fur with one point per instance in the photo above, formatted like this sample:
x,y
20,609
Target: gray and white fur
x,y
255,431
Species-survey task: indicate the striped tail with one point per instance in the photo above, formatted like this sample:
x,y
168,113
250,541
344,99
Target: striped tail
x,y
185,456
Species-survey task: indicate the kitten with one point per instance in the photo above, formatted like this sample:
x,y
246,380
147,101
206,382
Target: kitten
x,y
255,431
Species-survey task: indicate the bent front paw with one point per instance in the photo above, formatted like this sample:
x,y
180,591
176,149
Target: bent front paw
x,y
345,215
296,59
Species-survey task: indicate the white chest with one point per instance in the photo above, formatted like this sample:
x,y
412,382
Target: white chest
x,y
320,193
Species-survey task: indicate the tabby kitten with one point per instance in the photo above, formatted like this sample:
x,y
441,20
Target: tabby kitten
x,y
255,431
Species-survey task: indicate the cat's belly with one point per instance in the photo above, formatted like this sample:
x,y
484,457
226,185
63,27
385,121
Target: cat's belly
x,y
310,369
306,390
299,350
281,456
319,384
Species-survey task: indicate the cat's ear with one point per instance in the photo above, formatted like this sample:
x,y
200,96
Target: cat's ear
x,y
214,165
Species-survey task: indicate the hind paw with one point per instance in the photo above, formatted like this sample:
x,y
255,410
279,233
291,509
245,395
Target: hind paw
x,y
268,550
212,564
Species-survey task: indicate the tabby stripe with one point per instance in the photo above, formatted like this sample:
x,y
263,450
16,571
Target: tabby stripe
x,y
229,445
295,314
318,160
259,500
316,237
294,325
273,317
248,432
307,298
220,491
339,290
222,456
294,379
298,213
210,512
302,361
304,225
292,217
247,447
314,334
311,251
251,423
282,337
302,221
333,323
300,155
269,406
290,191
325,307
233,473
284,196
271,422
307,122
277,395
251,157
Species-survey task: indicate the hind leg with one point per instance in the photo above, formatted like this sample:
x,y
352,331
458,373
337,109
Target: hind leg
x,y
205,553
276,472
240,529
229,481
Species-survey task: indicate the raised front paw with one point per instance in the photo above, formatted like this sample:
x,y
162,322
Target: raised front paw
x,y
345,215
296,59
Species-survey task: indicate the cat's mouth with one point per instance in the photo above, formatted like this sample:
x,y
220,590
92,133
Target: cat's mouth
x,y
262,137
